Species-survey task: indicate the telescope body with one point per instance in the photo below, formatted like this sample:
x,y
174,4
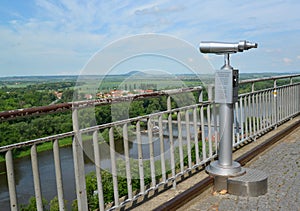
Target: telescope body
x,y
225,47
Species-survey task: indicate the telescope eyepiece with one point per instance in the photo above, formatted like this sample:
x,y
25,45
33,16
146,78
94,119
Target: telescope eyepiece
x,y
245,45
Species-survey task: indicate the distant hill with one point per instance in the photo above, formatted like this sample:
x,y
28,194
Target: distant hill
x,y
135,73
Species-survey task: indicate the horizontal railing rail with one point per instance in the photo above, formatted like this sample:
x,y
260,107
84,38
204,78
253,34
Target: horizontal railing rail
x,y
62,107
271,78
157,149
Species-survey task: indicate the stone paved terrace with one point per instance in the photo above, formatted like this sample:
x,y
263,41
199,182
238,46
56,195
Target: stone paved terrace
x,y
282,164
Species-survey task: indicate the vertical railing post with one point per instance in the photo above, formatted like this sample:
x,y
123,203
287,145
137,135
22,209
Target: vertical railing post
x,y
242,118
275,104
172,157
260,112
98,170
250,113
210,92
188,138
209,131
169,104
237,121
291,98
252,87
36,178
204,156
151,151
180,141
140,156
79,164
127,161
253,114
162,148
209,126
113,165
200,98
215,119
11,181
58,176
257,113
246,112
196,139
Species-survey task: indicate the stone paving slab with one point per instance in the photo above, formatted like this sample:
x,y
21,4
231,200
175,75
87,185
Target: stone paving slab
x,y
282,164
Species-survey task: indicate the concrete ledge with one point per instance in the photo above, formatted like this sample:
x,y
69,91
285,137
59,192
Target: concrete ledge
x,y
252,183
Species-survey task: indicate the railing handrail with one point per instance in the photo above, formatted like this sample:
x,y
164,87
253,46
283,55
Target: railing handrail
x,y
36,141
97,127
266,90
268,78
61,107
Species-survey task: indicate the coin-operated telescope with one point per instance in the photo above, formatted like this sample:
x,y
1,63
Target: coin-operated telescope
x,y
226,47
226,94
226,82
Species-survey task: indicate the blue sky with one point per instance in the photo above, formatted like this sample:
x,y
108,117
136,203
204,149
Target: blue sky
x,y
51,37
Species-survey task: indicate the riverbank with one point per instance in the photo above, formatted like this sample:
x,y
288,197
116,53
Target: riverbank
x,y
64,142
40,148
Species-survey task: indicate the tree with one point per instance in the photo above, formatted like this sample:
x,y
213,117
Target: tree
x,y
31,206
54,205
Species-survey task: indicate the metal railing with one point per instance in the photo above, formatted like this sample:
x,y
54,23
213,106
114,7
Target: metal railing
x,y
168,144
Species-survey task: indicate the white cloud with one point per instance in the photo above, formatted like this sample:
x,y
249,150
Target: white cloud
x,y
287,61
273,50
159,10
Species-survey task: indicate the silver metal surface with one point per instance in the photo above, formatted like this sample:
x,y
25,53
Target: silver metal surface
x,y
252,183
225,145
225,47
226,95
215,169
